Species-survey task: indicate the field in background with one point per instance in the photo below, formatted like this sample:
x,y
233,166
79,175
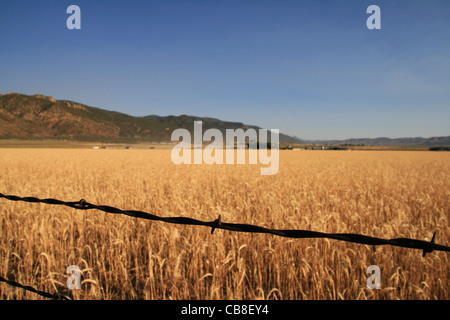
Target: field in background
x,y
385,194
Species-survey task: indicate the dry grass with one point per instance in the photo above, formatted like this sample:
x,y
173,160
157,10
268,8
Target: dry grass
x,y
380,193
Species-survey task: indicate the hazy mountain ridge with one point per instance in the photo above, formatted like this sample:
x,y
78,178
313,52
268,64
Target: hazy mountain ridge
x,y
383,141
43,117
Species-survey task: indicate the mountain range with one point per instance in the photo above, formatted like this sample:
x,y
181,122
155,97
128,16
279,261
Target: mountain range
x,y
42,117
387,142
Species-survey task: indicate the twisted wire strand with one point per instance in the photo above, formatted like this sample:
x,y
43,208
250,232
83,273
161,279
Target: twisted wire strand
x,y
426,246
31,289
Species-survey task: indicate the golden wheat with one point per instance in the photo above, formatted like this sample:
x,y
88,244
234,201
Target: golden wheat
x,y
384,194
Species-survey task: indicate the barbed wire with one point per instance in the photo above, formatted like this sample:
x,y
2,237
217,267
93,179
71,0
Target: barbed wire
x,y
31,289
426,246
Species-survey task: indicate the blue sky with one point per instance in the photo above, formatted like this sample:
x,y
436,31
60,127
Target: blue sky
x,y
309,68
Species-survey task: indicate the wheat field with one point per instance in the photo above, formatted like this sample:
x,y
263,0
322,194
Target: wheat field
x,y
386,194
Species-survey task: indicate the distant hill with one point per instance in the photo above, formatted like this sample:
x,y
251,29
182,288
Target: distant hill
x,y
43,117
404,142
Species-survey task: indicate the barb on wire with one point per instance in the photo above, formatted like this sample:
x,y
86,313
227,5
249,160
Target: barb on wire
x,y
426,246
31,289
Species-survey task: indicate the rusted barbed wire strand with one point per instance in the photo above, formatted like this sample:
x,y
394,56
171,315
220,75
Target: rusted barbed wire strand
x,y
426,246
31,289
